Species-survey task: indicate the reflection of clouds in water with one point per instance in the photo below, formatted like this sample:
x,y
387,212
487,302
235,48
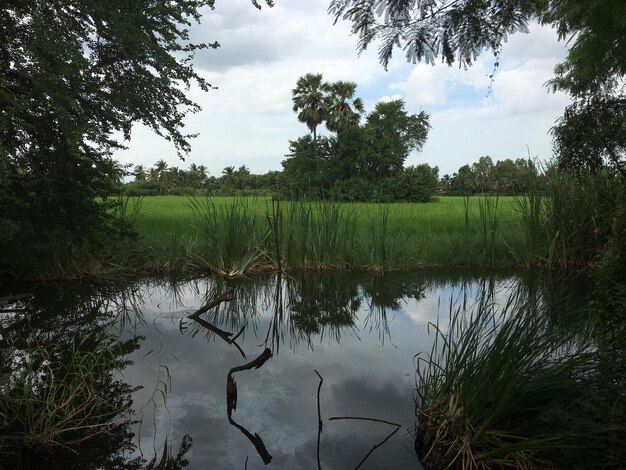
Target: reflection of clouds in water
x,y
439,302
363,376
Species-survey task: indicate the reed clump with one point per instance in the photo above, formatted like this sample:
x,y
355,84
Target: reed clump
x,y
500,389
57,396
231,236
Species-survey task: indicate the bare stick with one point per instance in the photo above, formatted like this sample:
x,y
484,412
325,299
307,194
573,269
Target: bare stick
x,y
365,419
377,446
256,440
319,419
225,335
231,385
254,364
226,296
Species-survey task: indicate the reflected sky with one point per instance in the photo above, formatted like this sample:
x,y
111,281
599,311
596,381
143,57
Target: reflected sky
x,y
360,332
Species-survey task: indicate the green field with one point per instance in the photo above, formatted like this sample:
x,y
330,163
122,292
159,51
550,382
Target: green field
x,y
232,235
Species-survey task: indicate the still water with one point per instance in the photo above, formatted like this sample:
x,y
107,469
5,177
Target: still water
x,y
337,391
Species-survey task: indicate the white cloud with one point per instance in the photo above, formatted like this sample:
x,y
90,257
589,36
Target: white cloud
x,y
249,119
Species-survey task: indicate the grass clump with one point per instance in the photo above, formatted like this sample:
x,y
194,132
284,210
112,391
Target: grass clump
x,y
231,235
57,396
501,390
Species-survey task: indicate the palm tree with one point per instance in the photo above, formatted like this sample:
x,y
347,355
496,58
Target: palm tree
x,y
197,175
160,174
229,174
140,173
344,110
309,101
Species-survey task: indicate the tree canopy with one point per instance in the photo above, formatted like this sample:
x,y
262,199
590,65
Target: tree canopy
x,y
363,161
458,31
75,76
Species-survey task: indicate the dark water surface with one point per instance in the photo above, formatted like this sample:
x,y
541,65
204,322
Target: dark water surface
x,y
360,332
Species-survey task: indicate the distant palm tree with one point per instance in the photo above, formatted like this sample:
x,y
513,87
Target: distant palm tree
x,y
229,175
309,102
197,175
344,110
140,173
160,174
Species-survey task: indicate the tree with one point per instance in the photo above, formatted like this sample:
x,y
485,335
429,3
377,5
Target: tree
x,y
309,101
464,181
483,173
417,183
342,108
460,30
160,174
140,173
72,76
392,134
228,176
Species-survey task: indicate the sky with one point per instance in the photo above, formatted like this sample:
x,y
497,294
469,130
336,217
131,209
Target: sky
x,y
249,119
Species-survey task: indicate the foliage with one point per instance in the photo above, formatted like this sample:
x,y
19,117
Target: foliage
x,y
501,389
231,235
309,102
343,110
362,162
426,30
593,127
71,77
591,135
504,177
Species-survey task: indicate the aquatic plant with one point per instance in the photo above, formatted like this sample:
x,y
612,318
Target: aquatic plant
x,y
500,389
58,396
231,235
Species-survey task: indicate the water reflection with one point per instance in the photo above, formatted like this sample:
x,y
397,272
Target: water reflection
x,y
359,331
60,386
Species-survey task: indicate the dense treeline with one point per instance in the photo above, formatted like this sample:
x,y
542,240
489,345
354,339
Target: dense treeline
x,y
162,179
305,176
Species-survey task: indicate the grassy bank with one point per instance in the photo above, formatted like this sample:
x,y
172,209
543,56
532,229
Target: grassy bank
x,y
231,235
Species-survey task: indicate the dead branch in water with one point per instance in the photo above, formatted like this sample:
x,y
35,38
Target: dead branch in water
x,y
231,385
319,419
225,297
225,335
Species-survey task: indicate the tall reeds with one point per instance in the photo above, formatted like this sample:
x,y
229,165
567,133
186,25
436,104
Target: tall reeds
x,y
231,235
488,222
58,395
500,389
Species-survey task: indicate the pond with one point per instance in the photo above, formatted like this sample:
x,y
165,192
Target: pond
x,y
336,356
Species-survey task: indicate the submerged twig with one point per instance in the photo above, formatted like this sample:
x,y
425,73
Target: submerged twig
x,y
376,420
365,419
377,446
319,419
225,297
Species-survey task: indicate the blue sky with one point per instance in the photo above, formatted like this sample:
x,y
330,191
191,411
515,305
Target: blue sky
x,y
249,120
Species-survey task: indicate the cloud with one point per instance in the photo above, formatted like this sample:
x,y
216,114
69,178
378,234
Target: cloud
x,y
249,119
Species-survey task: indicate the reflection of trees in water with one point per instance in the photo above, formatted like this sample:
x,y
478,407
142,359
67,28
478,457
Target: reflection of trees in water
x,y
63,402
309,305
322,304
302,306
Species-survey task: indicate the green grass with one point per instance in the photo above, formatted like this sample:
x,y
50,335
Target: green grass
x,y
452,231
503,389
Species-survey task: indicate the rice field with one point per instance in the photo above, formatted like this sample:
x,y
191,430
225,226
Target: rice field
x,y
231,235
